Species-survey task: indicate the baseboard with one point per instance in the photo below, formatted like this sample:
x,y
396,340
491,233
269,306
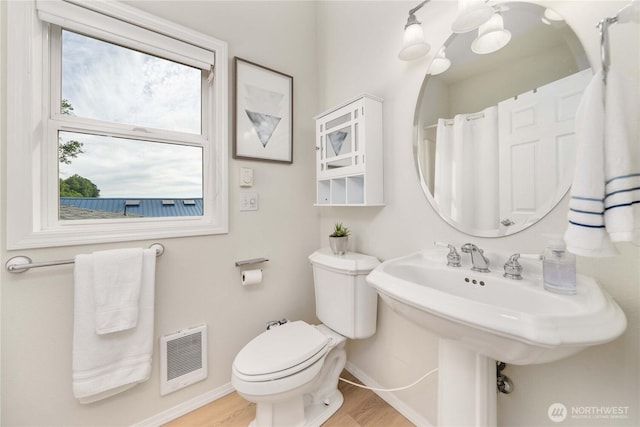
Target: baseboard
x,y
389,397
186,407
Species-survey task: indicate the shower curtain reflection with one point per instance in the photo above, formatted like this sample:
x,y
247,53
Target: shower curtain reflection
x,y
466,169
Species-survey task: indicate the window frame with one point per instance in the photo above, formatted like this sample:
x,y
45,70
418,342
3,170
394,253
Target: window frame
x,y
32,157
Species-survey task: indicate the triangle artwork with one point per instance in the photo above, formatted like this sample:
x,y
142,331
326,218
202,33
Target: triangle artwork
x,y
264,125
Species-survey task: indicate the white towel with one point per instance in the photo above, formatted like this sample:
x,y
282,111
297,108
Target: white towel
x,y
116,278
605,195
622,159
104,365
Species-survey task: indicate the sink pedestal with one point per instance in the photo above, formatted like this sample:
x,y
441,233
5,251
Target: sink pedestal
x,y
467,394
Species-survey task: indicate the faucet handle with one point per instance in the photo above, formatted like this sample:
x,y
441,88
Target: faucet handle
x,y
512,268
453,257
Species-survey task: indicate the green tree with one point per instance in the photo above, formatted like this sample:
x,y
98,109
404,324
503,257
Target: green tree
x,y
70,149
77,186
74,186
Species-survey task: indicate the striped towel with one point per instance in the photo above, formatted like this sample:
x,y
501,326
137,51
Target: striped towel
x,y
605,195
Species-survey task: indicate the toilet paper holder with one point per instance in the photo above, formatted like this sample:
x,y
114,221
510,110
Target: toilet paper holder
x,y
250,261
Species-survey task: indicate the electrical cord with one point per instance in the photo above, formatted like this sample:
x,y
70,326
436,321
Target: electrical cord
x,y
391,389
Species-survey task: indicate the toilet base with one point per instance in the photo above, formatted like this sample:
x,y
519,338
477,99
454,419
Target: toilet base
x,y
317,414
315,402
314,414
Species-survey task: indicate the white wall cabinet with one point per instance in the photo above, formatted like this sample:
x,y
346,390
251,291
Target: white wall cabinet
x,y
349,154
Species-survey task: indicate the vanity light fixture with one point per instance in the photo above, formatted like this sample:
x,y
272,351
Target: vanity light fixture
x,y
414,45
471,14
440,63
492,36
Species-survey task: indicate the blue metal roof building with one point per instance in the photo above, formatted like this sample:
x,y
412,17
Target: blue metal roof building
x,y
140,207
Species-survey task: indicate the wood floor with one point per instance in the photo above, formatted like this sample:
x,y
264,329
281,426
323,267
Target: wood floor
x,y
361,408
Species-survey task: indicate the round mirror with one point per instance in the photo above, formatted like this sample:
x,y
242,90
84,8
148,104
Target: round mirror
x,y
494,139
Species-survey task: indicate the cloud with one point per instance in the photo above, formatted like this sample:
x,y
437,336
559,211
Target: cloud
x,y
130,168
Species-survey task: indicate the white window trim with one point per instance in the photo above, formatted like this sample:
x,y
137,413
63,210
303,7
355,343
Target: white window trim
x,y
108,23
30,165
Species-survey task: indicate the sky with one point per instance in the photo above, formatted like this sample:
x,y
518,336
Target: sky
x,y
108,82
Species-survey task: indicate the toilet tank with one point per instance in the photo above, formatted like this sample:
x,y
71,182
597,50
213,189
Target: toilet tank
x,y
344,301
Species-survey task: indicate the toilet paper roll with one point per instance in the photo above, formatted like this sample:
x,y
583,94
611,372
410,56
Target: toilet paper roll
x,y
251,277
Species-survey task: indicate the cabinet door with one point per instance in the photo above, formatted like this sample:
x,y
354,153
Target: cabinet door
x,y
339,142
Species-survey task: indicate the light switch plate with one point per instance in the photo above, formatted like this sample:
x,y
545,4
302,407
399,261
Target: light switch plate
x,y
246,177
248,200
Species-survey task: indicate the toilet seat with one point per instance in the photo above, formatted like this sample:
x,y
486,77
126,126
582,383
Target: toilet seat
x,y
280,352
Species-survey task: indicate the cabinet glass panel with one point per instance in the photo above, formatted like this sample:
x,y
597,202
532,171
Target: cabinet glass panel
x,y
340,163
339,142
338,121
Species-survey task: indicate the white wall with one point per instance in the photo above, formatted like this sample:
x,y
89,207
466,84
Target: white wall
x,y
334,50
358,53
196,278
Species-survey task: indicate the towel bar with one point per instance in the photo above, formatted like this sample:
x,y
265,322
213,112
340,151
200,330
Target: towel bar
x,y
20,263
626,14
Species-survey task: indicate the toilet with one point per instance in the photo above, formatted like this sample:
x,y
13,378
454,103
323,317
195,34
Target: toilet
x,y
291,370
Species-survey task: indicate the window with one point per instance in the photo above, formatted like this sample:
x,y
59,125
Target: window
x,y
118,90
109,106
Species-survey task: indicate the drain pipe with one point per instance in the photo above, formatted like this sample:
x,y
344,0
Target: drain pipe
x,y
503,382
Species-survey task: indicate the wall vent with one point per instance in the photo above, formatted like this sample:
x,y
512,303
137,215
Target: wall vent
x,y
183,358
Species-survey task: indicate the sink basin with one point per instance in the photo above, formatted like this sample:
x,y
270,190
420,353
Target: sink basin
x,y
514,321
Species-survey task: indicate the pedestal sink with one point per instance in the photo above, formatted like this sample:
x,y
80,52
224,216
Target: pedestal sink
x,y
484,317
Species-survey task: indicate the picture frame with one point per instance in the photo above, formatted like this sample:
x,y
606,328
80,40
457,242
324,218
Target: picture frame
x,y
263,113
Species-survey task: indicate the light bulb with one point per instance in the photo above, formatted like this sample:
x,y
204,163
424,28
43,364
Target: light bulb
x,y
413,44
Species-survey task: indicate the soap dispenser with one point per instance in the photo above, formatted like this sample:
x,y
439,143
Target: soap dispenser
x,y
559,268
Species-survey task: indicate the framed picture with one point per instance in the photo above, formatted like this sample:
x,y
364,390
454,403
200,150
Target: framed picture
x,y
263,119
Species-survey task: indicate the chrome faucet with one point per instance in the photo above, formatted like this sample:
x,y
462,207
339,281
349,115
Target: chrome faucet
x,y
453,257
479,261
512,268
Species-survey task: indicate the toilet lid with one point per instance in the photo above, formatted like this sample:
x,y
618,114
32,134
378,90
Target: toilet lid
x,y
294,344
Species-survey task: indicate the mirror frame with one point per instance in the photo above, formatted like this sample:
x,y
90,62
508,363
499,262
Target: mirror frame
x,y
503,230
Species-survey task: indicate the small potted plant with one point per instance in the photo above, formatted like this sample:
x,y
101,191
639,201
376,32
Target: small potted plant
x,y
339,239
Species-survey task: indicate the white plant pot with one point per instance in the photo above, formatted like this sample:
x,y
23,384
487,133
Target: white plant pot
x,y
339,244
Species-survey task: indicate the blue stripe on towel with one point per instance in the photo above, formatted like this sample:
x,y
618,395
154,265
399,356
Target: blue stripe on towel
x,y
622,205
589,199
586,225
586,212
622,176
626,190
